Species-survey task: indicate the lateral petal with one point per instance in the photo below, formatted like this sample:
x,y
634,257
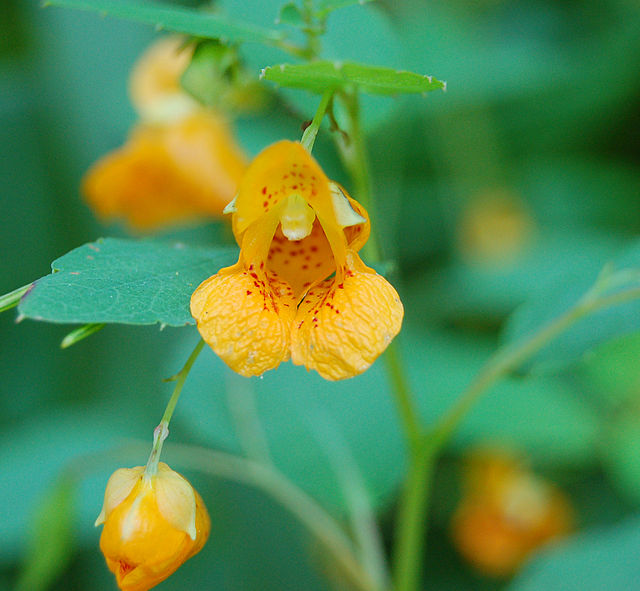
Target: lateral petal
x,y
345,323
245,316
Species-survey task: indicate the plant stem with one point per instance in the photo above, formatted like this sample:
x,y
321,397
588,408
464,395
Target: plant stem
x,y
514,356
403,397
413,511
412,519
309,135
242,408
161,432
353,151
320,523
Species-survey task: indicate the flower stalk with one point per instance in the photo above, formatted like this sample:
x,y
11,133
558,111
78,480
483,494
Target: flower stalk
x,y
310,133
161,432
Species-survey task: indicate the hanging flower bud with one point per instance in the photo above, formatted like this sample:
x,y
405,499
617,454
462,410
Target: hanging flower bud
x,y
152,525
181,161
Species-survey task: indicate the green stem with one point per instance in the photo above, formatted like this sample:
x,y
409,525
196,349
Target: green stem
x,y
302,506
413,511
309,135
513,357
161,432
403,397
353,151
412,518
242,407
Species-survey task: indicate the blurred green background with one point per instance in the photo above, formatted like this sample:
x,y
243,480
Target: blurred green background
x,y
523,175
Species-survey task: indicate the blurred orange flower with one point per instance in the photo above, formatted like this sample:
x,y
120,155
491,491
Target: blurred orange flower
x,y
152,525
507,512
299,288
180,162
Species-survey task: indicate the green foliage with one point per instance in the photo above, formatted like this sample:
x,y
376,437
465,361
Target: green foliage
x,y
565,150
320,76
601,559
600,327
50,538
290,15
174,18
123,281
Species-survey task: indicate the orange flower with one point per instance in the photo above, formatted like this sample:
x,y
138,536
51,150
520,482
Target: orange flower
x,y
299,288
507,513
152,525
180,163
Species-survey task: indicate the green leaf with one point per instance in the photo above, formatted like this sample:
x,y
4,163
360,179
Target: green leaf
x,y
591,561
50,538
290,15
11,299
174,18
324,75
596,329
123,281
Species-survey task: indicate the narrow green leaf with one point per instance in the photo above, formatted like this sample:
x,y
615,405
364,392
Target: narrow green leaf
x,y
50,539
79,334
176,18
124,281
12,299
325,75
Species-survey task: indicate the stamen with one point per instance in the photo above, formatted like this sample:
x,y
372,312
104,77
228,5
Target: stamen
x,y
297,218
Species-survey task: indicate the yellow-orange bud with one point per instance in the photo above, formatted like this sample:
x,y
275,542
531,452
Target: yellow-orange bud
x,y
152,525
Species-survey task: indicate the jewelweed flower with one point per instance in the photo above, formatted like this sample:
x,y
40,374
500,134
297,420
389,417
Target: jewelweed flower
x,y
299,289
180,162
152,525
506,514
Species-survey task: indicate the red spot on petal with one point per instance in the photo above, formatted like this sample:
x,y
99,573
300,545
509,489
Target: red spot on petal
x,y
249,292
264,190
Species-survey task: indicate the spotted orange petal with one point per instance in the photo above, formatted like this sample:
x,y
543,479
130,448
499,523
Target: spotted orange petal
x,y
245,316
345,323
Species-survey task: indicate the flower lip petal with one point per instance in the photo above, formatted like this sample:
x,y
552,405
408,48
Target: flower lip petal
x,y
345,323
245,317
